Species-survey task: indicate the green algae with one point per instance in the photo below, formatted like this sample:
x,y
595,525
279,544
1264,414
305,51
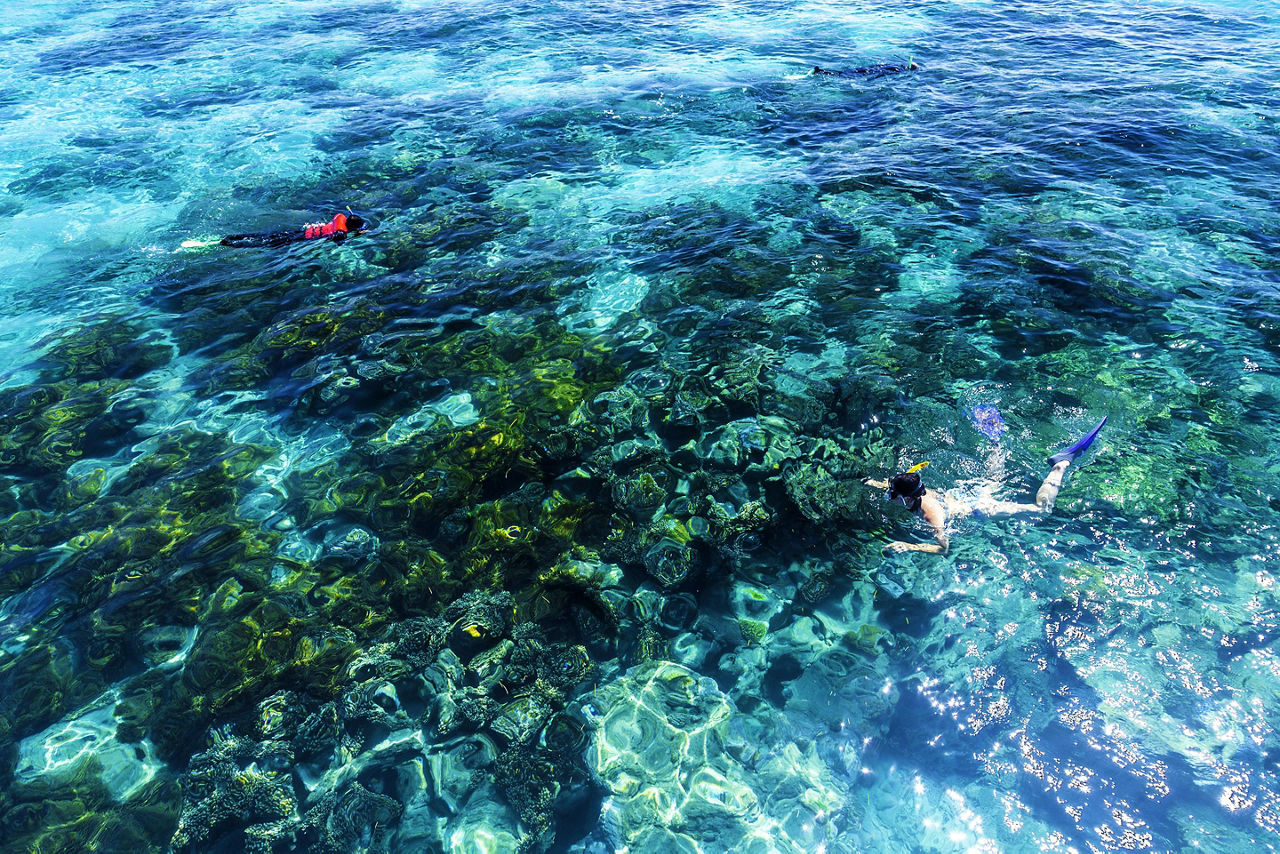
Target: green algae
x,y
162,534
868,638
45,428
753,631
449,506
101,348
153,542
80,815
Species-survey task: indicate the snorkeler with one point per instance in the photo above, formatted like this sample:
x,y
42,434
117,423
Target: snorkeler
x,y
906,489
871,71
337,229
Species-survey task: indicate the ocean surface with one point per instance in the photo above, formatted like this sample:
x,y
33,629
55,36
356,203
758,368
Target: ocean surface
x,y
536,517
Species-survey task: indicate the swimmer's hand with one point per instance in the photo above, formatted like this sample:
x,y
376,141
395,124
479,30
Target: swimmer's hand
x,y
898,547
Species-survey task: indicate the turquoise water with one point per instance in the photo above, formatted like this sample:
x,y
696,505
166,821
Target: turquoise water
x,y
535,517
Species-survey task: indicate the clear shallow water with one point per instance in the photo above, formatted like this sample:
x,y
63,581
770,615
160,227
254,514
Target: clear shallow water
x,y
644,303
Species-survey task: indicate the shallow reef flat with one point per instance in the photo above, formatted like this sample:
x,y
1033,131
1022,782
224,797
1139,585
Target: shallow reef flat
x,y
537,519
270,652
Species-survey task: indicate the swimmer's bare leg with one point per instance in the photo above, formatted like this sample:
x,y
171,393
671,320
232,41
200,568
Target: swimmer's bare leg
x,y
993,507
1046,497
1047,494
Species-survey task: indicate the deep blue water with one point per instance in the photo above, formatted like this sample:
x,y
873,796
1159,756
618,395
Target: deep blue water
x,y
643,303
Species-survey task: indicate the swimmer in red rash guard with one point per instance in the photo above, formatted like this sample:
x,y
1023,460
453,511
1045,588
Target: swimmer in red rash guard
x,y
337,229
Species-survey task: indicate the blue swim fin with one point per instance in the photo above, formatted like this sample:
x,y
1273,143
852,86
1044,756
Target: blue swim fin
x,y
1079,447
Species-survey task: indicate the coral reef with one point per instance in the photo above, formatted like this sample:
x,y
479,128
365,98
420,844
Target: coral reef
x,y
421,718
368,621
540,522
662,746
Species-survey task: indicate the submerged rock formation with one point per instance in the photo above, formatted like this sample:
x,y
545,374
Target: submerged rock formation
x,y
663,745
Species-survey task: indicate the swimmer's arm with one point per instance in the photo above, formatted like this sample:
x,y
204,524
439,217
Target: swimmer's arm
x,y
934,513
878,484
936,516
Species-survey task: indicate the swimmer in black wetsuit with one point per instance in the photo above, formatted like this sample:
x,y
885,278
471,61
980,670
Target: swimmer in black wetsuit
x,y
870,71
337,229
